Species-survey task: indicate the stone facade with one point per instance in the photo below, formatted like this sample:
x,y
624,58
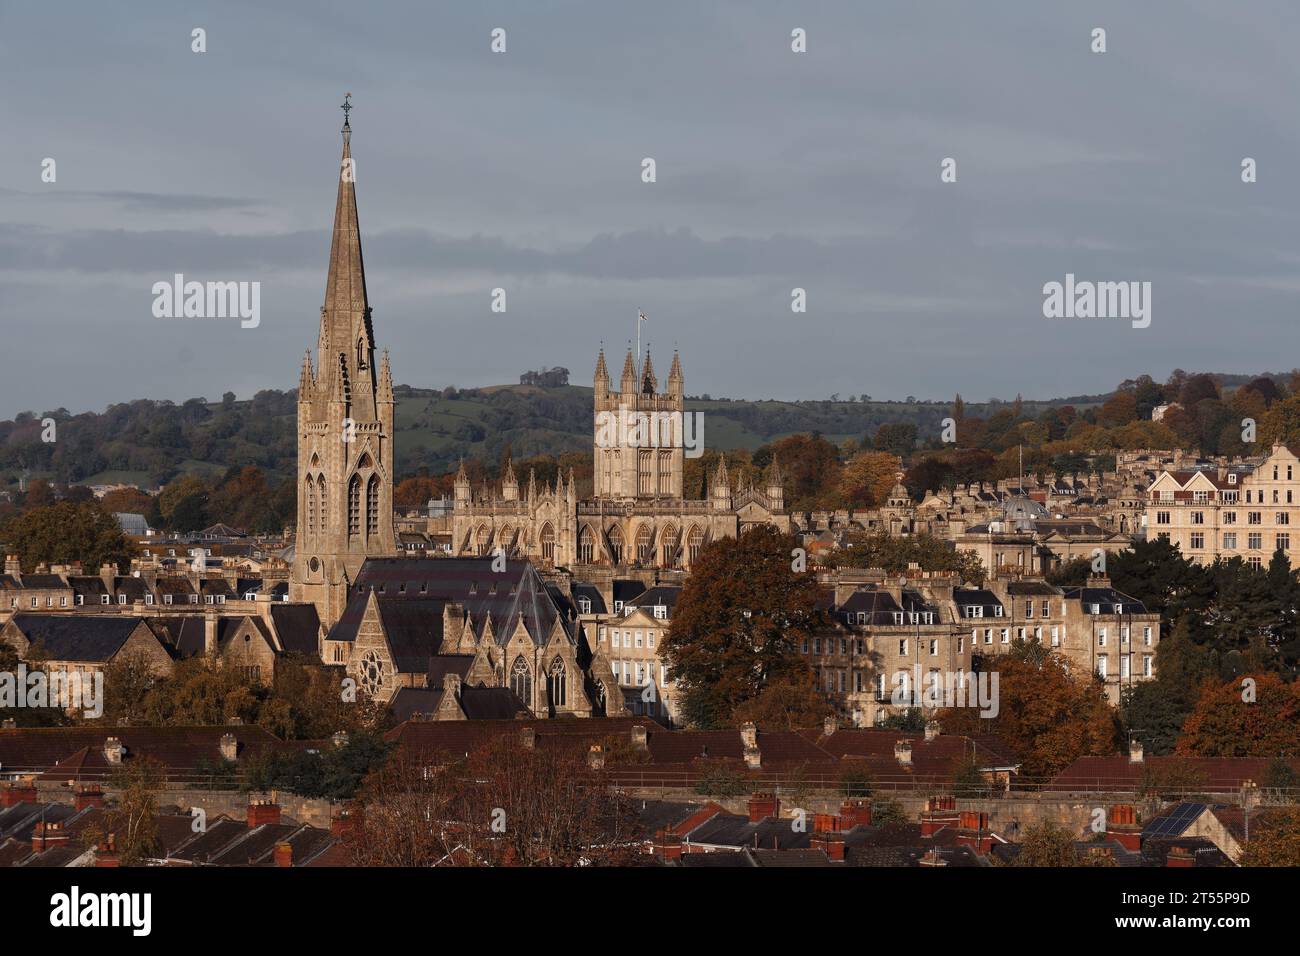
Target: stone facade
x,y
638,516
345,429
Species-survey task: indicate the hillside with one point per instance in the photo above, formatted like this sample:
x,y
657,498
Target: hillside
x,y
149,442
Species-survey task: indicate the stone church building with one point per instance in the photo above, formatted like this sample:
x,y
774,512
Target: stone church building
x,y
638,516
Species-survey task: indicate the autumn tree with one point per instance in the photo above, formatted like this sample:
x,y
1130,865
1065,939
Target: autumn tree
x,y
1047,844
1046,714
408,814
542,806
738,624
412,494
1254,716
1274,838
866,480
133,822
787,703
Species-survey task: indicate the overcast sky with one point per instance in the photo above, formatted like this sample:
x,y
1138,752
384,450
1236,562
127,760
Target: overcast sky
x,y
775,170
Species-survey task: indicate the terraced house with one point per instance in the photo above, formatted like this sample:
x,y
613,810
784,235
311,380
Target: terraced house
x,y
1246,510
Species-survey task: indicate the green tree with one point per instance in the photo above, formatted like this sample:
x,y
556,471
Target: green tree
x,y
66,532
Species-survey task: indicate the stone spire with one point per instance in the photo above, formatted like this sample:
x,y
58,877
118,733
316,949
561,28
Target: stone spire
x,y
307,380
602,373
720,477
675,381
346,329
628,383
649,384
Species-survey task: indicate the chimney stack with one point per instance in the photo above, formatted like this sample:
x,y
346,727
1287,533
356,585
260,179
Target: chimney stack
x,y
749,738
229,747
830,843
1122,826
667,845
527,737
114,751
19,792
339,739
88,795
855,812
763,805
1180,856
284,854
1135,754
106,852
931,729
13,566
263,812
829,726
596,757
46,835
939,812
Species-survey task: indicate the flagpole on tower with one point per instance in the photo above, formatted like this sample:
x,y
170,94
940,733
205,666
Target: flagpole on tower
x,y
641,318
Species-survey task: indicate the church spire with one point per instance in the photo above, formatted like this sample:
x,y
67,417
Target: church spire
x,y
345,289
628,383
649,384
602,373
675,380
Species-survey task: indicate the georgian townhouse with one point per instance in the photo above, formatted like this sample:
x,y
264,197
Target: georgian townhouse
x,y
886,637
631,640
1243,510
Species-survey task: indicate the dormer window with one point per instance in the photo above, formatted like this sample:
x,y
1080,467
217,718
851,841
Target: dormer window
x,y
661,612
618,607
167,599
584,605
103,599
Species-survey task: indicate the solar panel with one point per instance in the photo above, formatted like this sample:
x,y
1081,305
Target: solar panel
x,y
1175,821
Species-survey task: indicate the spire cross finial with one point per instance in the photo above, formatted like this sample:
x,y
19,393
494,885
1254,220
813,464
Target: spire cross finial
x,y
347,108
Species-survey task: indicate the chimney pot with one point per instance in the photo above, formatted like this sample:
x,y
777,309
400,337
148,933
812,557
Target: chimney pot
x,y
283,854
113,750
903,752
527,737
639,740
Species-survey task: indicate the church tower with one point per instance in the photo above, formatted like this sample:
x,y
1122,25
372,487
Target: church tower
x,y
638,431
345,426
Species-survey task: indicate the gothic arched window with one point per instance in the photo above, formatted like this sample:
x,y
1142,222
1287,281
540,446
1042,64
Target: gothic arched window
x,y
616,544
481,540
521,680
586,545
645,548
372,506
671,542
548,543
354,507
558,680
694,543
665,473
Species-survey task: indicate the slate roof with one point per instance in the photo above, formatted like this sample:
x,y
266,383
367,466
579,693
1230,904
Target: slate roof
x,y
1108,598
78,752
67,637
592,594
298,627
505,598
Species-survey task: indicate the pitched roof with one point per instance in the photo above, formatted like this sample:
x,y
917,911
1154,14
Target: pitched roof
x,y
67,637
